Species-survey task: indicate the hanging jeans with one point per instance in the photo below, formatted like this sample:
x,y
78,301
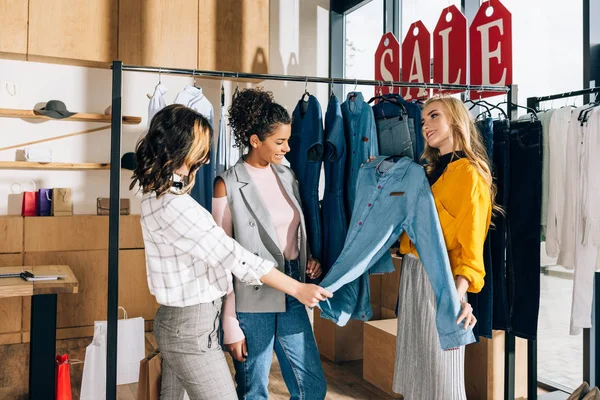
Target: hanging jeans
x,y
501,173
392,198
335,222
482,301
523,233
394,137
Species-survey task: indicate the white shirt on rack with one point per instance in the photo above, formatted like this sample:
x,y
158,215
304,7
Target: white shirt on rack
x,y
189,259
157,101
557,135
193,97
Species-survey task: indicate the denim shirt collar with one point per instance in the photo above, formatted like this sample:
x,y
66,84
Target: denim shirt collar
x,y
355,105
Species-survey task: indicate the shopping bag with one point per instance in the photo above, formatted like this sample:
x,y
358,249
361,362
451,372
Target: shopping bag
x,y
15,199
93,381
61,202
30,202
63,377
44,202
150,377
130,351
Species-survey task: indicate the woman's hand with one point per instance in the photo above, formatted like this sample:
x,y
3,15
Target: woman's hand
x,y
466,315
238,350
310,295
313,268
369,159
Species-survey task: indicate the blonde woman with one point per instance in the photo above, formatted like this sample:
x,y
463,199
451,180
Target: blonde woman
x,y
189,259
459,173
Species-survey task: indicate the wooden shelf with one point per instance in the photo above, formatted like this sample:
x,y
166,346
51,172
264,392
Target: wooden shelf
x,y
53,166
29,114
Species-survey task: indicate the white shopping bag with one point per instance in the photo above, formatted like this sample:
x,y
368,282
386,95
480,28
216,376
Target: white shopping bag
x,y
130,351
93,382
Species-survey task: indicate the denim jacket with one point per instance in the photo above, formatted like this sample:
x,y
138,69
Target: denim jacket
x,y
392,198
361,140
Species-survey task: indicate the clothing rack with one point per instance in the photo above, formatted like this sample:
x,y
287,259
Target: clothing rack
x,y
591,337
115,172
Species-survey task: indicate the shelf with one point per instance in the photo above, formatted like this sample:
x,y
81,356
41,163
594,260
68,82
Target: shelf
x,y
29,114
53,166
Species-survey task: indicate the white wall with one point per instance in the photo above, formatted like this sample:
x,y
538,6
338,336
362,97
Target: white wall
x,y
299,45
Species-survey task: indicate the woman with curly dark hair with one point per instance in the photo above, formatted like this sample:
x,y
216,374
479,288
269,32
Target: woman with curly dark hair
x,y
258,201
190,260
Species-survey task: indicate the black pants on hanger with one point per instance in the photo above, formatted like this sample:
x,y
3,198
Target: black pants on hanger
x,y
516,302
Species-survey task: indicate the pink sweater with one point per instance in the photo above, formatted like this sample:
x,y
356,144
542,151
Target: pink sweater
x,y
285,217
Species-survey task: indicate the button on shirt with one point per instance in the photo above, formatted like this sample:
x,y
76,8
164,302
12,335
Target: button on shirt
x,y
189,259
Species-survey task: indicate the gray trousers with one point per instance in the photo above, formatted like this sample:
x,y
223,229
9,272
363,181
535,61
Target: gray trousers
x,y
193,361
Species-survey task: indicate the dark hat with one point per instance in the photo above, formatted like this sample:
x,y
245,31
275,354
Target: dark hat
x,y
54,109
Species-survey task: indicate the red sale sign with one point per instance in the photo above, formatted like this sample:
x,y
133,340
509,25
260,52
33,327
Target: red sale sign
x,y
387,62
491,47
450,49
416,52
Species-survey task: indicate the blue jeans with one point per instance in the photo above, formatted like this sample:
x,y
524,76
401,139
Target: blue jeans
x,y
290,335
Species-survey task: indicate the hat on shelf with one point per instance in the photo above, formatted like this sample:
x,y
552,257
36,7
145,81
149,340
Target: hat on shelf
x,y
54,109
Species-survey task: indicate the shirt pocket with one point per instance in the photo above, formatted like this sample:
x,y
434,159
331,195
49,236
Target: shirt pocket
x,y
449,225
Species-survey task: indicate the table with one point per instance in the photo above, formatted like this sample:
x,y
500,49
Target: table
x,y
42,346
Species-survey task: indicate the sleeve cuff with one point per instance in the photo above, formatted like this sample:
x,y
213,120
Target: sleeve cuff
x,y
475,278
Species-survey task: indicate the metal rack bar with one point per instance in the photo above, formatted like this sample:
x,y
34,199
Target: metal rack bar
x,y
312,79
574,93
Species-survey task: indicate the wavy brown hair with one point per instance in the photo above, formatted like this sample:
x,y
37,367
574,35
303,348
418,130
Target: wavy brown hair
x,y
466,138
177,136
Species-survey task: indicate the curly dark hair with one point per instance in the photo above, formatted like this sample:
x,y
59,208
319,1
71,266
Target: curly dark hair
x,y
177,136
254,112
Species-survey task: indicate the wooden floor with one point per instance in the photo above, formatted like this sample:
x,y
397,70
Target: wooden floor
x,y
344,381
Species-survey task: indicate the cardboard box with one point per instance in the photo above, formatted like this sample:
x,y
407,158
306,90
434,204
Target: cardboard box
x,y
379,347
484,368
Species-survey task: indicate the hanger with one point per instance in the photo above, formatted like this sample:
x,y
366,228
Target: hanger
x,y
531,110
306,95
237,85
485,103
583,114
331,94
222,90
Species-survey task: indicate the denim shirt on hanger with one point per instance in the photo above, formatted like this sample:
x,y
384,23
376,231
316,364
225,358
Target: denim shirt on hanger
x,y
335,220
392,198
306,157
361,140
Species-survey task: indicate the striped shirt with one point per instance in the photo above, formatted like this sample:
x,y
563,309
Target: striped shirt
x,y
189,259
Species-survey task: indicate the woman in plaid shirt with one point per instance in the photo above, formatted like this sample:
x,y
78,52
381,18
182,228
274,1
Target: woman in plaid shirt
x,y
190,260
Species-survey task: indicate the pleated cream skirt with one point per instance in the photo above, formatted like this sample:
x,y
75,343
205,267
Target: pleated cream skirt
x,y
423,371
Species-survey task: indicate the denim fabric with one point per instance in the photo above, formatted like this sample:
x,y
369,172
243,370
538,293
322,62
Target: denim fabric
x,y
388,202
394,137
414,112
335,222
290,335
482,301
393,128
202,189
524,220
414,115
305,157
501,172
361,141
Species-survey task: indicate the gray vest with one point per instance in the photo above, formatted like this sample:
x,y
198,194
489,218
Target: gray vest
x,y
254,230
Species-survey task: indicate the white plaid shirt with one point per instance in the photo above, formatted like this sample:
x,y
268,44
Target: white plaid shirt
x,y
189,259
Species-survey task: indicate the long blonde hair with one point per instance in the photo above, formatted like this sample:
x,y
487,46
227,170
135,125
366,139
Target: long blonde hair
x,y
466,137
